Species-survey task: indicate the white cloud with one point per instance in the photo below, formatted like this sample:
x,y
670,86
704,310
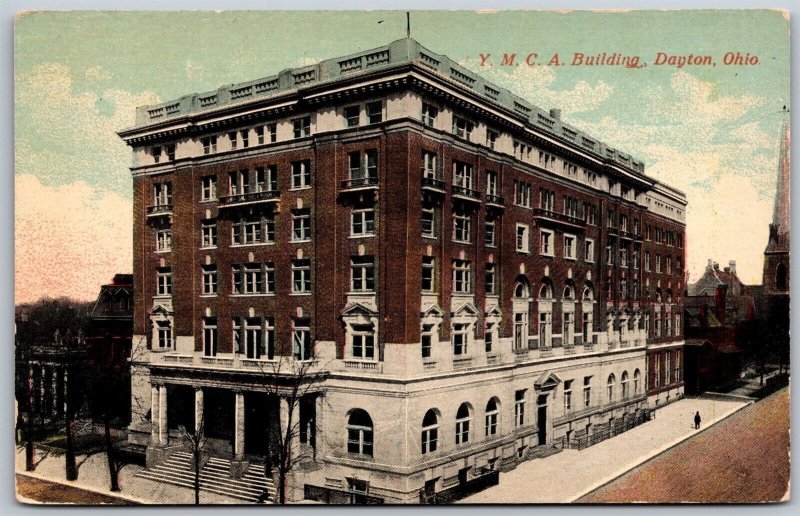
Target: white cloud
x,y
536,84
63,135
69,239
97,73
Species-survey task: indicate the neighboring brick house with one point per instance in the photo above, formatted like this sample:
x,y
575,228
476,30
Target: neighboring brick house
x,y
719,308
475,278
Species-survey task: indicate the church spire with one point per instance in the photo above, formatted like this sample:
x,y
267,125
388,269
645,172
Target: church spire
x,y
781,215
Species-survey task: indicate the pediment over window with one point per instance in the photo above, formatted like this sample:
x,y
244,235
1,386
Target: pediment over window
x,y
358,311
161,310
494,311
432,311
467,309
548,380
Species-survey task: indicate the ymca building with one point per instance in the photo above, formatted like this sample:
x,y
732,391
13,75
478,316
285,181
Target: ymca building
x,y
472,281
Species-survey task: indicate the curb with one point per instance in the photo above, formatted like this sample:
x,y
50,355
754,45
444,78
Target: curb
x,y
654,454
84,487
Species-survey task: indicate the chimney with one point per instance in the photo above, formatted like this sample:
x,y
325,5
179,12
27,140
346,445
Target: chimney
x,y
716,266
732,265
710,264
555,113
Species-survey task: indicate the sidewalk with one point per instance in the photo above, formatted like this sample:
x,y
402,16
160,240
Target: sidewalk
x,y
93,476
567,476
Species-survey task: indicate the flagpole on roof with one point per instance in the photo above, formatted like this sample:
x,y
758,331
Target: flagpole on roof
x,y
408,24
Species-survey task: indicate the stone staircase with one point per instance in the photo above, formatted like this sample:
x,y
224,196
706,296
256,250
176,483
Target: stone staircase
x,y
215,477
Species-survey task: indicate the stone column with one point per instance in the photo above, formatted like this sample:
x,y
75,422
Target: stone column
x,y
154,414
294,431
238,445
163,422
198,411
319,436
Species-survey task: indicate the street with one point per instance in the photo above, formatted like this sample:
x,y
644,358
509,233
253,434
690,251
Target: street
x,y
744,459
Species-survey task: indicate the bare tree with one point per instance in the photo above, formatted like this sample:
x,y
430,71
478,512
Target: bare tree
x,y
289,380
195,443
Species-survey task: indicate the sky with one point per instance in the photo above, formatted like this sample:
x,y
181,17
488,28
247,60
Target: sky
x,y
711,131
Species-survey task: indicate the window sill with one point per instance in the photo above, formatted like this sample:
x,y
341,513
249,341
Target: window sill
x,y
271,294
299,188
526,253
547,255
162,296
254,244
370,235
464,242
207,296
305,241
430,237
163,251
205,201
360,293
210,248
571,258
300,294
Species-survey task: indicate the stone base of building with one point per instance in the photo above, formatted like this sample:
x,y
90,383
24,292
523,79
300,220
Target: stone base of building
x,y
665,397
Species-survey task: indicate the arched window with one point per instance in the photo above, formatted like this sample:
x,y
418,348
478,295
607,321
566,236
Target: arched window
x,y
588,294
658,295
611,381
463,418
359,433
430,432
521,290
545,292
780,277
569,293
624,384
637,377
491,417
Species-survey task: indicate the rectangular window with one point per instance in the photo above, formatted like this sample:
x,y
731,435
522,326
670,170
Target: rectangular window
x,y
269,276
164,240
570,247
245,138
253,338
489,235
374,112
364,165
170,152
491,138
209,144
301,225
164,282
462,128
546,246
462,277
490,279
429,114
609,255
164,332
491,182
236,279
253,279
352,115
208,191
428,222
567,395
522,194
273,132
155,152
428,274
571,207
260,134
302,127
587,327
362,222
209,233
635,258
488,337
647,261
162,193
209,336
429,168
523,245
588,250
623,256
519,408
459,339
520,331
426,338
301,174
239,182
209,280
301,343
587,391
658,263
462,175
363,340
233,139
462,228
547,199
301,276
362,274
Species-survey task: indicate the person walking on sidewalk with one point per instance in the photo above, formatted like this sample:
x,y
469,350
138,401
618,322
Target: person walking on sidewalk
x,y
697,420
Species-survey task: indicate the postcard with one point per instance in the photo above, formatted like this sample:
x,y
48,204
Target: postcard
x,y
389,257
